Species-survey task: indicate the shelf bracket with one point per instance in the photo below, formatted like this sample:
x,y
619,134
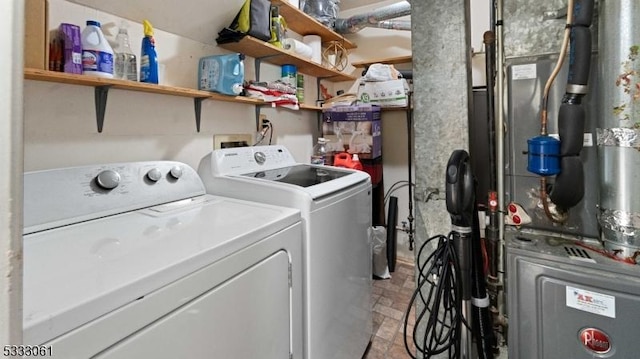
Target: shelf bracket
x,y
320,100
100,93
256,67
197,106
257,62
257,109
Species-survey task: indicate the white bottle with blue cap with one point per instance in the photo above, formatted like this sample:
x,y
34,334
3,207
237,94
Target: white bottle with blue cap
x,y
97,54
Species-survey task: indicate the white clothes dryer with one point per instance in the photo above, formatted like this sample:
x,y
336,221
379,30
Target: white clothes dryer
x,y
135,260
336,211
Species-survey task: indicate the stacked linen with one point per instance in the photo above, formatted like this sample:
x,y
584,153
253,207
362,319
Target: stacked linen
x,y
277,93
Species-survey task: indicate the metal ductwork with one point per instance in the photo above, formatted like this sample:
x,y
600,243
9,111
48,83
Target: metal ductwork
x,y
356,23
395,25
618,133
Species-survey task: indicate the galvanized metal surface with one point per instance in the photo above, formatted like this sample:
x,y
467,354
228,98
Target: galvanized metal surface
x,y
536,27
618,124
526,80
442,83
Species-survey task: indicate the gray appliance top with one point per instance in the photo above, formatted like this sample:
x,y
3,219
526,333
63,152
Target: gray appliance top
x,y
58,197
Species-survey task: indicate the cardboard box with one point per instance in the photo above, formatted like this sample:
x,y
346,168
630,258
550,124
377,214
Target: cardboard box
x,y
355,129
36,34
70,37
393,93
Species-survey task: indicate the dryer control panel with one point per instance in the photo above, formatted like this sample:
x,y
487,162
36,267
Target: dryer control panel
x,y
64,196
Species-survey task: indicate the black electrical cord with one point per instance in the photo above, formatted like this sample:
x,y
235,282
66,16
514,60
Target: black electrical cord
x,y
267,127
440,291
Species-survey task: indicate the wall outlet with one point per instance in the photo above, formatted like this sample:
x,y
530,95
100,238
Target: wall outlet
x,y
262,122
232,140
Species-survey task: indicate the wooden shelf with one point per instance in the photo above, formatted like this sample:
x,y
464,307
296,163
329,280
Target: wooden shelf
x,y
263,51
310,107
102,86
303,24
386,60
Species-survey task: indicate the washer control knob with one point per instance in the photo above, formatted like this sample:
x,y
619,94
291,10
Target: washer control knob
x,y
260,157
108,179
176,172
154,175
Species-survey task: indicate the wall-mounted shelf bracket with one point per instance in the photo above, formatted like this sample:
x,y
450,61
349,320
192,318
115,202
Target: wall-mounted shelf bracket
x,y
197,106
258,123
258,61
101,93
320,99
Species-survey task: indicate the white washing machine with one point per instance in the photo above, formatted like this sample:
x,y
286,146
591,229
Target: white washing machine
x,y
336,211
134,260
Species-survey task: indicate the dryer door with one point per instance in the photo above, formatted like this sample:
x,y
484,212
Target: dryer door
x,y
247,316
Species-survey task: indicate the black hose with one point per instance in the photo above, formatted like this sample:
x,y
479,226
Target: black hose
x,y
481,318
409,166
490,70
392,236
439,289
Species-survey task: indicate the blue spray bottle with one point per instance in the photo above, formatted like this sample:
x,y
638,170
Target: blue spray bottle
x,y
148,58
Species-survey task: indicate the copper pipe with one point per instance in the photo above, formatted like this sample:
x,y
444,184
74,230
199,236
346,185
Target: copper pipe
x,y
556,70
560,218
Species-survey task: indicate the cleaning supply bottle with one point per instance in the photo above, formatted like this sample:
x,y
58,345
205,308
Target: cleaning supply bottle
x,y
355,162
148,56
319,155
97,54
126,63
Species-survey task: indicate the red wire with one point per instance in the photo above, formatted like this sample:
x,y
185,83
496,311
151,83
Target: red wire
x,y
627,260
485,256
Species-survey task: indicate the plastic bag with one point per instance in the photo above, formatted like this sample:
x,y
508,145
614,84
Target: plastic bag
x,y
381,72
325,11
380,265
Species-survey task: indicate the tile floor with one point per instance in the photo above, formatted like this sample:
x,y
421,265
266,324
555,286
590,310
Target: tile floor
x,y
390,300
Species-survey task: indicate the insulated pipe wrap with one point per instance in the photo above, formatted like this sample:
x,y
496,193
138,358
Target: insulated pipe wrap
x,y
582,12
568,188
579,56
570,128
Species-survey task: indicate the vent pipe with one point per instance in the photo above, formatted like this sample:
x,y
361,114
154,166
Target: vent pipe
x,y
356,23
618,133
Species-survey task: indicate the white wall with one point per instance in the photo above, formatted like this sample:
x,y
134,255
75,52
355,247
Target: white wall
x,y
60,126
11,34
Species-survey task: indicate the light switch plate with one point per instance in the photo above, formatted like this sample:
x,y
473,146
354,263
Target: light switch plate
x,y
232,140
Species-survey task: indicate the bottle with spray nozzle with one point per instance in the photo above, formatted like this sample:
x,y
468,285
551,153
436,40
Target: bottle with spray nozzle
x,y
148,56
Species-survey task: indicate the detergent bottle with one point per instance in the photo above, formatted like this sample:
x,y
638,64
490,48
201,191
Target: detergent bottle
x,y
346,160
148,56
355,163
222,73
97,54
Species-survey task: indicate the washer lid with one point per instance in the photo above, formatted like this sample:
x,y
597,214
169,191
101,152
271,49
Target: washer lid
x,y
76,273
274,167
